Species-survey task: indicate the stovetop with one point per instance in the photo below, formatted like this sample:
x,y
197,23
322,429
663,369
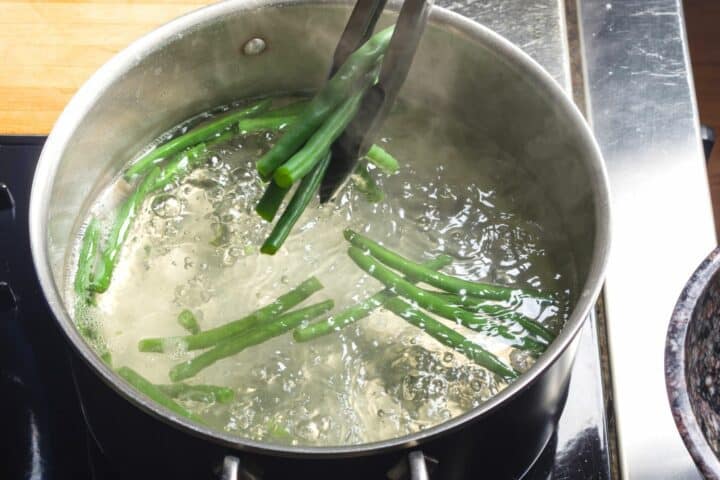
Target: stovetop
x,y
626,64
42,432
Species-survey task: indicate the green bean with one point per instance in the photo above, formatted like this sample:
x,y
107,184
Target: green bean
x,y
212,336
271,200
106,357
186,161
292,139
217,140
465,301
475,304
436,279
428,300
303,161
356,312
187,320
198,393
154,393
301,198
274,119
90,333
530,325
382,159
120,231
365,183
449,337
238,343
291,109
83,277
86,259
180,165
278,432
261,124
335,91
193,137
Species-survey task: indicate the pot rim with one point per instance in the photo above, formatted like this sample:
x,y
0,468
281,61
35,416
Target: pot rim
x,y
676,381
84,99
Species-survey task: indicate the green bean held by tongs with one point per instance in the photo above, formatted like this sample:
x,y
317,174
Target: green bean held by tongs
x,y
335,91
305,192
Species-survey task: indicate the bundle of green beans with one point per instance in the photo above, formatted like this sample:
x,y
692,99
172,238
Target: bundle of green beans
x,y
379,258
235,344
302,152
226,340
337,91
356,312
461,301
212,336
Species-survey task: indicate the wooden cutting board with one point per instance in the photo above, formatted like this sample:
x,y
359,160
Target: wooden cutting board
x,y
49,48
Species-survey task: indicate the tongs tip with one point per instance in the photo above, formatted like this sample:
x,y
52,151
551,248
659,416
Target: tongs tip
x,y
376,103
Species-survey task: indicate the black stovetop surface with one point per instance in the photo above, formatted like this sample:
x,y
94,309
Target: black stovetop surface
x,y
42,431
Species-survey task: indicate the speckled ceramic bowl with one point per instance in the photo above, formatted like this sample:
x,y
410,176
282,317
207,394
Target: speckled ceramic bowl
x,y
692,365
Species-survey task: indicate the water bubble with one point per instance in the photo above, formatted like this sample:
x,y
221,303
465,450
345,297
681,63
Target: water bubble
x,y
215,163
325,423
408,388
165,206
308,430
215,194
521,360
228,260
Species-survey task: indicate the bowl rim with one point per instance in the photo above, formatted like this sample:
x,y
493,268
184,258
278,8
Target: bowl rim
x,y
83,100
676,381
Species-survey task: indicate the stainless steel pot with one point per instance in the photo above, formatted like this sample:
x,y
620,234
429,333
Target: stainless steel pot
x,y
210,57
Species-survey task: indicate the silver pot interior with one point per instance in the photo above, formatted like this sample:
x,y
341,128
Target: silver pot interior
x,y
461,70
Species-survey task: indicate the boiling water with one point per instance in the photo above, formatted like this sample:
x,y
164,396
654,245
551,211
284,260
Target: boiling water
x,y
196,246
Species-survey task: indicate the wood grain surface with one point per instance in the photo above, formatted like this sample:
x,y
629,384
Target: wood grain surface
x,y
49,48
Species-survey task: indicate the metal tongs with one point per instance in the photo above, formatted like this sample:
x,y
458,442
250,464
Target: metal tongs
x,y
356,140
